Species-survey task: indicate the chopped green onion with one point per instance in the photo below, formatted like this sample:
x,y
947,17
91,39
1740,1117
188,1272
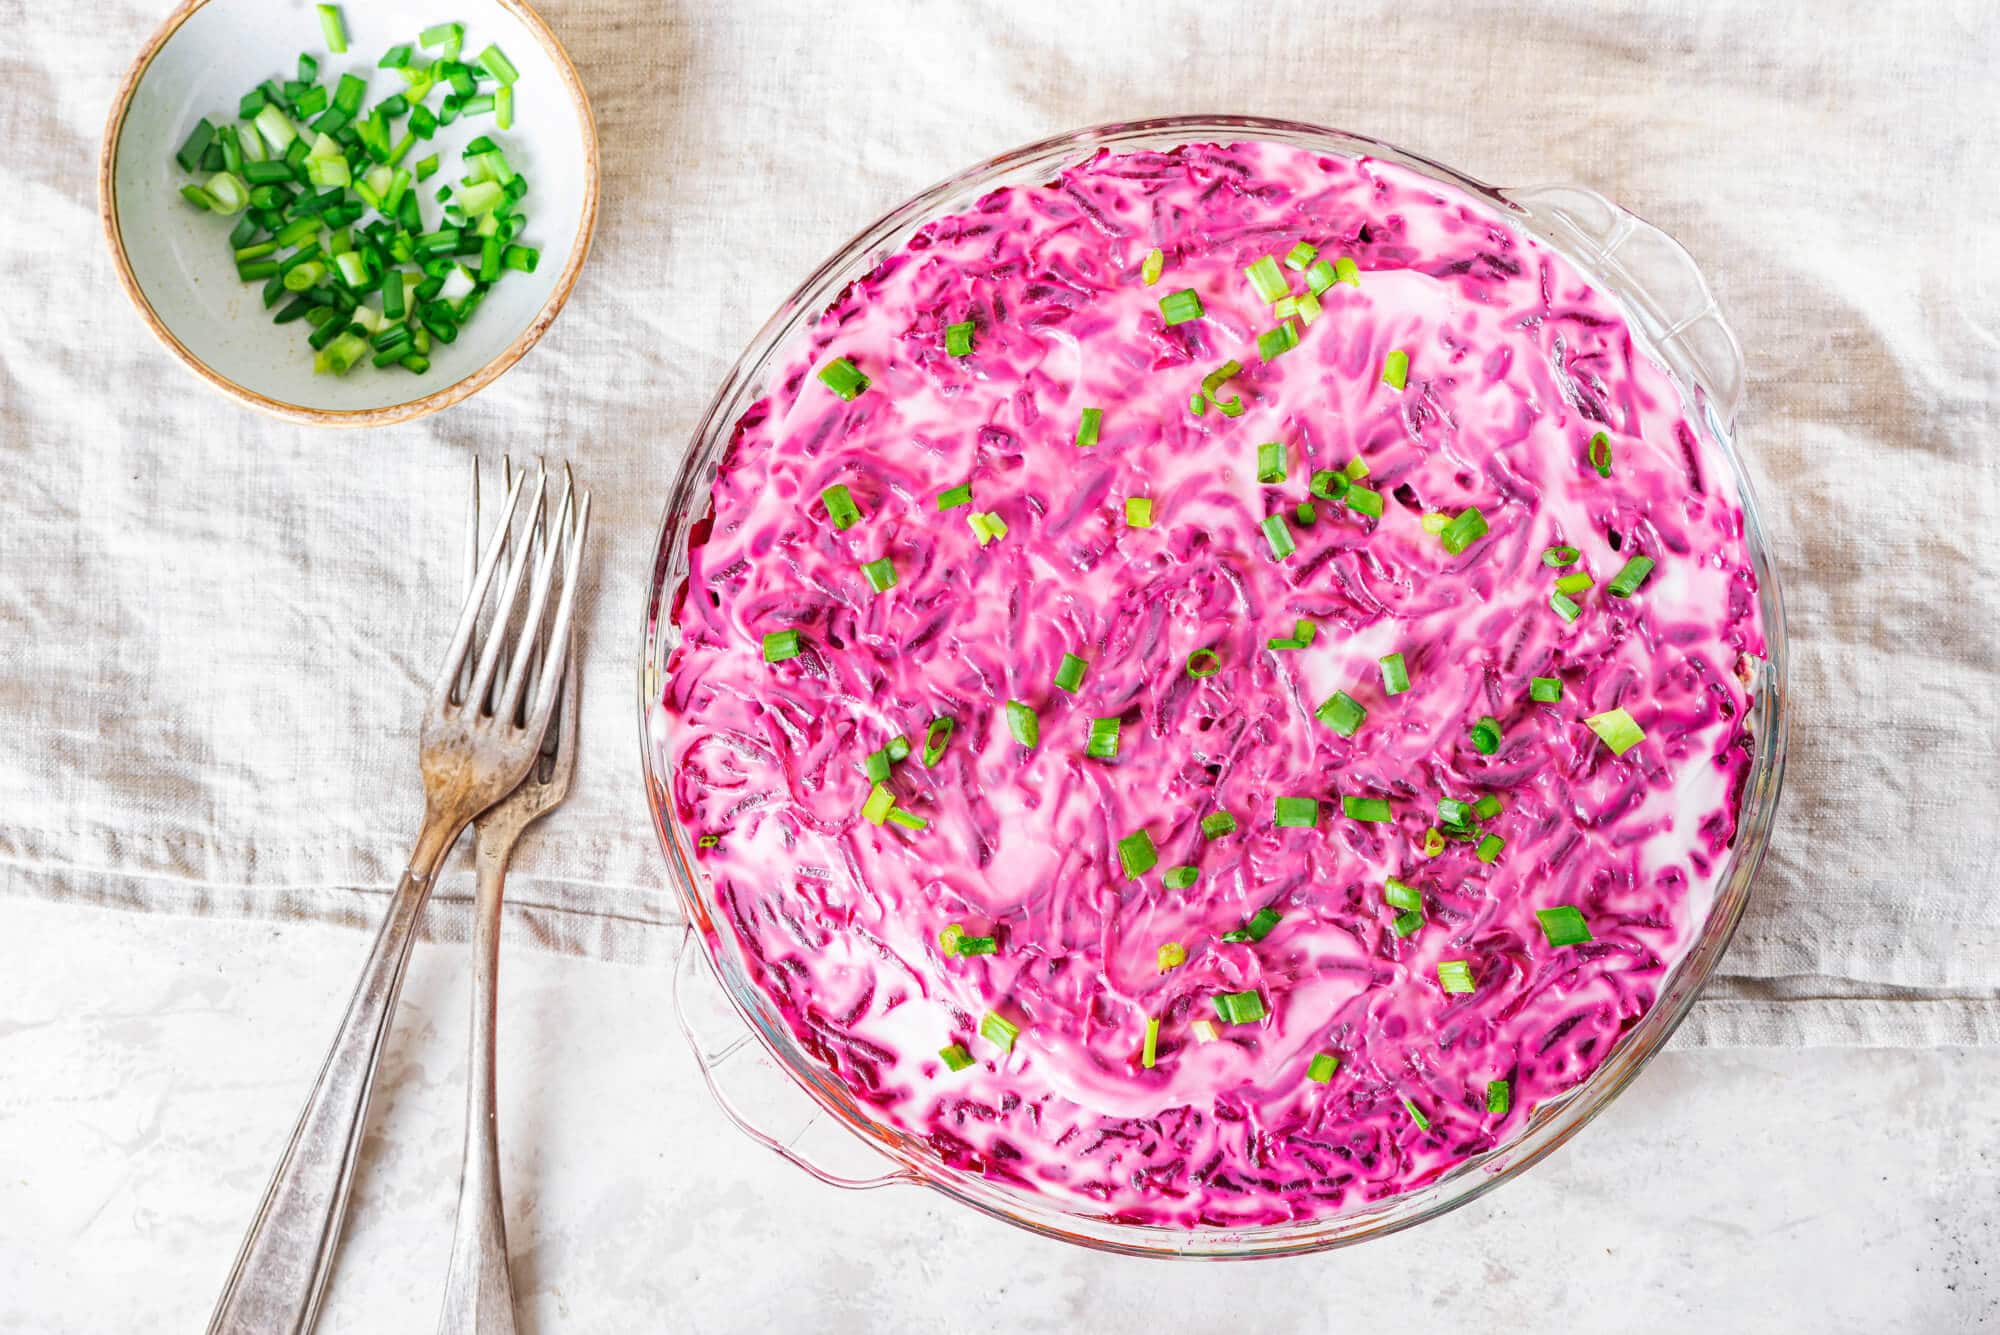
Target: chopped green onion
x,y
1198,403
1407,922
1309,308
1240,1007
1396,369
1620,731
195,145
1328,484
937,735
1627,581
1547,690
1279,536
958,339
1303,633
1398,895
1285,308
1433,522
1347,271
1181,306
1489,848
1069,673
881,574
1023,722
909,820
1204,663
1299,256
1467,528
1152,1048
876,766
1305,513
1204,1030
1319,276
1266,277
448,35
1341,712
1456,975
1600,454
876,809
1261,922
1138,511
780,645
1417,1115
334,30
956,1058
1563,925
1087,428
1357,468
1274,343
843,378
1487,807
1363,501
1171,955
1154,264
999,1031
1565,606
1575,582
986,526
1181,878
1296,813
973,945
957,496
1215,380
1499,1097
1366,808
1137,855
708,841
1395,674
1218,823
1103,743
1558,557
1321,1068
496,63
898,748
1433,842
840,506
1271,462
1486,735
1454,814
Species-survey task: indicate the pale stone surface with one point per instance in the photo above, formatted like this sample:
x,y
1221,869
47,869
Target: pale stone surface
x,y
150,1068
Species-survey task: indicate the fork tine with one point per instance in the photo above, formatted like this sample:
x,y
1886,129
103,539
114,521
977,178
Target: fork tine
x,y
538,599
468,614
559,635
496,638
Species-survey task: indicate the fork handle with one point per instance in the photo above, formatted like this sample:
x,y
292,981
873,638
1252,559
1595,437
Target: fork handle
x,y
281,1272
479,1291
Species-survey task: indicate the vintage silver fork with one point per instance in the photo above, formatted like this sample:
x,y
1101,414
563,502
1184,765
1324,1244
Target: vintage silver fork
x,y
479,1289
471,756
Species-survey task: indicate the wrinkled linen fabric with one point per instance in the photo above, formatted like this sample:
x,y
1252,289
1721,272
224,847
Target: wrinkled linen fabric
x,y
216,630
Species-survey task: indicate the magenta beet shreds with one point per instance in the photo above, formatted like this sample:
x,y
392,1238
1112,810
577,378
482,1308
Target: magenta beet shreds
x,y
1438,888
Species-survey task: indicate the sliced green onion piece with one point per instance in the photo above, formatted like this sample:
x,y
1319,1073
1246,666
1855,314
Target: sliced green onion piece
x,y
1023,722
957,496
1271,462
1259,926
1303,633
1489,848
195,145
1103,743
973,945
1434,522
1305,513
1088,426
1139,511
1137,855
1309,308
1499,1097
1240,1007
1363,501
1396,369
1398,895
443,34
881,574
1454,814
1267,278
880,802
1395,674
843,378
1275,343
956,1058
1417,1115
1565,606
1198,403
1204,663
876,766
1299,256
1155,263
1320,1070
898,748
1218,823
1357,468
1152,1048
334,30
1456,975
1486,735
999,1031
1407,922
1328,484
1181,306
1347,271
1296,813
937,735
1341,712
1279,536
1433,842
1374,809
1627,581
1563,925
1180,878
1487,807
1069,673
1468,527
840,506
1285,308
958,339
496,63
1320,276
1620,731
1171,955
780,645
1600,454
909,820
1575,582
986,526
708,841
1203,1030
1558,557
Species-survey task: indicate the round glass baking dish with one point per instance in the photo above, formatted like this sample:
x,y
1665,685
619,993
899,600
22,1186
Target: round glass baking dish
x,y
780,1096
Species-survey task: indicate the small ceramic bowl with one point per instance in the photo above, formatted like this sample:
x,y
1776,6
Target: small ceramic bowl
x,y
174,259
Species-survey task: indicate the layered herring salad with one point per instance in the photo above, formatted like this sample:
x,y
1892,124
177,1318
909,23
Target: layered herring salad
x,y
1213,685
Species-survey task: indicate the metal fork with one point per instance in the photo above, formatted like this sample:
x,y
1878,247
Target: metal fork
x,y
479,1290
470,758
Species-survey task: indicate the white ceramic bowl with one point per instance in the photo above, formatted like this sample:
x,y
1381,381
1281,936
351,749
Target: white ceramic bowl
x,y
174,260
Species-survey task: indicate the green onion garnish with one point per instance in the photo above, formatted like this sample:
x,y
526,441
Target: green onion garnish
x,y
1320,276
958,339
1171,955
1155,263
1218,823
1347,271
1434,521
950,936
1467,528
1433,842
1305,513
843,378
1328,484
1296,813
1303,633
1180,878
1198,403
1366,808
1486,735
1627,581
1219,377
1136,854
986,526
1558,557
876,766
956,1058
1487,807
1271,462
1396,369
1563,925
708,841
1547,690
1620,731
999,1031
1575,582
878,806
1363,501
1341,712
1489,848
1454,814
333,29
1299,256
937,735
1275,343
1308,308
1407,922
1260,923
1152,1048
1069,674
1103,743
1322,1067
1499,1097
780,645
973,945
1395,674
1279,535
1401,896
1455,975
1023,723
1600,454
1139,511
1267,278
957,496
881,574
1417,1115
1204,663
1565,606
1181,306
1088,426
898,748
1240,1007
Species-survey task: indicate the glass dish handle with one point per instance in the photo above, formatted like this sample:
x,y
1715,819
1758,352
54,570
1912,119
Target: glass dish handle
x,y
754,1092
1655,276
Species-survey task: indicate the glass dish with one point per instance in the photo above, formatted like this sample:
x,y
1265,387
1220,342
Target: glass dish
x,y
781,1097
